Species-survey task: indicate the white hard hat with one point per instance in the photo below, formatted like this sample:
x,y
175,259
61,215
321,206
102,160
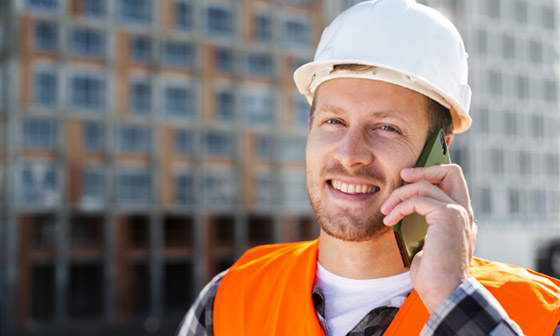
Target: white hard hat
x,y
409,44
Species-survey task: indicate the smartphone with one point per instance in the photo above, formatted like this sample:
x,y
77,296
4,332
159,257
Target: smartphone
x,y
411,230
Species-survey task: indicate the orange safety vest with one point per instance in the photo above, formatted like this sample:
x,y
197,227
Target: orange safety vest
x,y
268,292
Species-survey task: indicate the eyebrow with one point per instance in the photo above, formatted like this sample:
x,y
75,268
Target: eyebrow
x,y
378,114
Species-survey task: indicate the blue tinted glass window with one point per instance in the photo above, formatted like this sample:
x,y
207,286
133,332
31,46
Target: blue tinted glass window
x,y
178,101
87,93
220,21
225,60
183,15
45,88
94,136
39,184
226,107
40,134
46,36
178,54
134,187
94,8
264,28
94,184
260,65
184,142
135,11
134,139
46,5
141,98
297,32
141,49
184,192
219,144
88,42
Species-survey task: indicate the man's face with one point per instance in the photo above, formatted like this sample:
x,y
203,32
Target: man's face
x,y
362,134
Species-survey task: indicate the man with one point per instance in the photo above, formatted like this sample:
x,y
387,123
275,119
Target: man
x,y
386,74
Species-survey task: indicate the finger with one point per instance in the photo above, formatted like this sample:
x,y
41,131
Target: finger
x,y
448,177
420,188
419,204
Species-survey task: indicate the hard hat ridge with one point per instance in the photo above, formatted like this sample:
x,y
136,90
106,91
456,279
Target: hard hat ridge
x,y
408,44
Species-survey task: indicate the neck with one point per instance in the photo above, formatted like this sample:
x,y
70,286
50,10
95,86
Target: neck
x,y
371,259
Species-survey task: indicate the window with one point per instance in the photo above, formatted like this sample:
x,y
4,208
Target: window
x,y
94,136
497,160
294,149
550,92
297,33
219,188
184,188
88,42
184,15
220,21
39,184
260,65
266,190
46,36
552,164
46,5
225,106
94,185
521,11
225,60
219,144
295,192
141,49
510,123
141,98
524,163
87,92
486,200
548,17
493,8
134,139
508,47
94,8
259,108
39,134
178,54
482,42
514,204
263,28
134,187
535,51
135,11
184,142
495,82
45,88
265,147
537,126
178,101
522,86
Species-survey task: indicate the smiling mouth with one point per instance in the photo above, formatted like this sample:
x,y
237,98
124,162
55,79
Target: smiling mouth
x,y
353,188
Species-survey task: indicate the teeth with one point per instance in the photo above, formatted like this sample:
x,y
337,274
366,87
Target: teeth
x,y
353,188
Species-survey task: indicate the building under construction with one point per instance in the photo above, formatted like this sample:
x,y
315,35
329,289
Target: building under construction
x,y
145,145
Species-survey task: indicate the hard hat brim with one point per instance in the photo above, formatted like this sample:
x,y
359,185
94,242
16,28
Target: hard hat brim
x,y
310,76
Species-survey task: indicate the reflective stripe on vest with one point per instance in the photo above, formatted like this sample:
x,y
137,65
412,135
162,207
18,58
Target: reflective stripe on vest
x,y
268,292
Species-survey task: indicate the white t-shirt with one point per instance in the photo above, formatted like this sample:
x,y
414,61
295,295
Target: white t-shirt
x,y
347,301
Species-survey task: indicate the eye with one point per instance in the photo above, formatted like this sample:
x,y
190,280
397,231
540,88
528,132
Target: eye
x,y
388,128
333,122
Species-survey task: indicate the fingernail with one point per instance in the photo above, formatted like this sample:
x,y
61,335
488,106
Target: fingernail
x,y
408,170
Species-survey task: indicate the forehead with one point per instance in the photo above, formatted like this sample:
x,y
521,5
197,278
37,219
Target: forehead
x,y
371,96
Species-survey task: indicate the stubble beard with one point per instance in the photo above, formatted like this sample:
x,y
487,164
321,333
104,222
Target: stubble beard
x,y
345,225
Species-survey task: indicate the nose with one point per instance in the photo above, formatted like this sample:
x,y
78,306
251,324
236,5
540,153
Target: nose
x,y
353,149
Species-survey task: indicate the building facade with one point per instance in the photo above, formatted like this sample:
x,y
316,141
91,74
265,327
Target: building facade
x,y
511,154
145,146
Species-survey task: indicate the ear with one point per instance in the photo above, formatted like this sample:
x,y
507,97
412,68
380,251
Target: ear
x,y
448,139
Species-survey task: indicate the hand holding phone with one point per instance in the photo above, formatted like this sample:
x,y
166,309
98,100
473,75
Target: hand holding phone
x,y
411,230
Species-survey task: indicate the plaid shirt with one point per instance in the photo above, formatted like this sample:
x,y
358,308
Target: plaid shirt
x,y
469,310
